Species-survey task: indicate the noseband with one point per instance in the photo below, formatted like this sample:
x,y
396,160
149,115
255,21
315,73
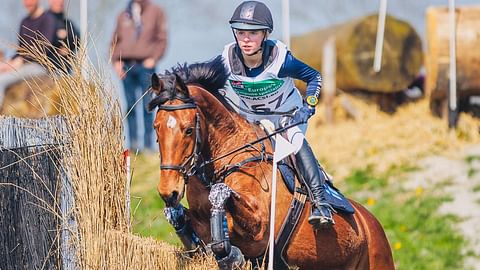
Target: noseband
x,y
190,166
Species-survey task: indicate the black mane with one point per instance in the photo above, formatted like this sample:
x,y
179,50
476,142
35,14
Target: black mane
x,y
211,75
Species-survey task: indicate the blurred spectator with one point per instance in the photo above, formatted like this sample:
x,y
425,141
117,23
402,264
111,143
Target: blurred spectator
x,y
138,43
37,25
67,36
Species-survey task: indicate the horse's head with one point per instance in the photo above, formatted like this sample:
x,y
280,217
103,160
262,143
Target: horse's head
x,y
178,128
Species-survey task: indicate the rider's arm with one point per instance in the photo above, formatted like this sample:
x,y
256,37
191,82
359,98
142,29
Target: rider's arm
x,y
294,68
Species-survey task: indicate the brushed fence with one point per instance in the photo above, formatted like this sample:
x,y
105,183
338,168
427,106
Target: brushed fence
x,y
36,198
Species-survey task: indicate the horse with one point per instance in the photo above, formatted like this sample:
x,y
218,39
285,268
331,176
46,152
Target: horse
x,y
196,130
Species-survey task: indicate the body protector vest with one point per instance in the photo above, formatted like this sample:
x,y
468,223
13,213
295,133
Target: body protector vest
x,y
265,96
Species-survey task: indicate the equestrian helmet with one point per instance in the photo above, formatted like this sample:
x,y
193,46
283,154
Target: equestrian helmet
x,y
252,15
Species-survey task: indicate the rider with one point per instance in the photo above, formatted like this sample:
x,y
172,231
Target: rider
x,y
260,86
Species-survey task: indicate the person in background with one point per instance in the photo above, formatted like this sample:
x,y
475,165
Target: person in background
x,y
67,36
138,44
260,86
37,26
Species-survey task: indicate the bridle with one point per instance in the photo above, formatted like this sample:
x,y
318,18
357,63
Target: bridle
x,y
190,166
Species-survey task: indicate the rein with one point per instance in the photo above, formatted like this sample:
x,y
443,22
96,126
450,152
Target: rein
x,y
250,144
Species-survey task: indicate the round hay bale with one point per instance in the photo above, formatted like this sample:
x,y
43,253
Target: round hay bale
x,y
402,55
33,98
437,54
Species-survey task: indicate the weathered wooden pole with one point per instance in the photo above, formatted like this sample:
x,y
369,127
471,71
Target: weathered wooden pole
x,y
329,67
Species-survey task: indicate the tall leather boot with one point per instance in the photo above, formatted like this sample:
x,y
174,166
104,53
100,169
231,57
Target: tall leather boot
x,y
314,178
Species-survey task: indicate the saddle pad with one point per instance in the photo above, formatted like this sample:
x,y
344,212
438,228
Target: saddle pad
x,y
288,176
336,199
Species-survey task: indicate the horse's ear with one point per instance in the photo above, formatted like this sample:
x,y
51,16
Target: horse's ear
x,y
181,84
157,84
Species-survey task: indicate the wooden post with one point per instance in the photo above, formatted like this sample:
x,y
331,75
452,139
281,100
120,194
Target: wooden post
x,y
452,89
382,13
329,67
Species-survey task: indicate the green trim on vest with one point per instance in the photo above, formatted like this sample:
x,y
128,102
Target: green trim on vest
x,y
256,89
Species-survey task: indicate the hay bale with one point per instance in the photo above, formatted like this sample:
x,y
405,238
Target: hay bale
x,y
467,53
355,46
33,98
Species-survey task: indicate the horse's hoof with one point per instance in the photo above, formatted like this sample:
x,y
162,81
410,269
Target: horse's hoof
x,y
234,260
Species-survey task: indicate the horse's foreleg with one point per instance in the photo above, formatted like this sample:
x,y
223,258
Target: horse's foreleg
x,y
228,256
177,218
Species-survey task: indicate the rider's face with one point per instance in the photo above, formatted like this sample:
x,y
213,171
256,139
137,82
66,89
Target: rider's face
x,y
250,41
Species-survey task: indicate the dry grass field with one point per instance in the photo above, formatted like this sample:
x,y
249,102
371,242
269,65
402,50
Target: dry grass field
x,y
385,141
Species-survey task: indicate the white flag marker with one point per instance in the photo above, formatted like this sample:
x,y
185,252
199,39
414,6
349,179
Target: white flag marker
x,y
283,148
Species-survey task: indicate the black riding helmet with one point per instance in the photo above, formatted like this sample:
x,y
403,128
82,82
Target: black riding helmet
x,y
252,15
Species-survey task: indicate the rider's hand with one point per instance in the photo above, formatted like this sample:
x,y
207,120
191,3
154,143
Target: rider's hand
x,y
118,66
302,114
149,63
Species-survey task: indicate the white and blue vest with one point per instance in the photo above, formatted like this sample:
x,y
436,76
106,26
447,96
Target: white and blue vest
x,y
255,97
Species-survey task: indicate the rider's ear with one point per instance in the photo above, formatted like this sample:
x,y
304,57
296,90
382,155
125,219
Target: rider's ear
x,y
181,84
157,84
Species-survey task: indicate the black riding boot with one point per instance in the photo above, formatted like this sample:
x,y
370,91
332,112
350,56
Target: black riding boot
x,y
314,178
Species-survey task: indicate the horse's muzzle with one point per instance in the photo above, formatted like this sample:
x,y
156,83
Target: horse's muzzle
x,y
171,200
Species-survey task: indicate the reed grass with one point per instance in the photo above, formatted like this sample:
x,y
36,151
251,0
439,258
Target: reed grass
x,y
94,162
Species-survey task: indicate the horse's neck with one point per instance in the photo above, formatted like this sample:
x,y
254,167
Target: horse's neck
x,y
226,129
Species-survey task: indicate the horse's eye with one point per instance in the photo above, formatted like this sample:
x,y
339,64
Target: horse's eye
x,y
189,131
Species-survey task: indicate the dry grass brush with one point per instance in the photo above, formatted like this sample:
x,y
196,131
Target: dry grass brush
x,y
93,160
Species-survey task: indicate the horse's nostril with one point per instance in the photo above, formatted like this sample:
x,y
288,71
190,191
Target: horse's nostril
x,y
171,199
174,196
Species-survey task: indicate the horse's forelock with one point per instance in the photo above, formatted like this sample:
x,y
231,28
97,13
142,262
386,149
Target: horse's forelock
x,y
174,87
166,93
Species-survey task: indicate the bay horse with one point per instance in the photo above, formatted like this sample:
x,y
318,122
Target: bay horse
x,y
195,124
